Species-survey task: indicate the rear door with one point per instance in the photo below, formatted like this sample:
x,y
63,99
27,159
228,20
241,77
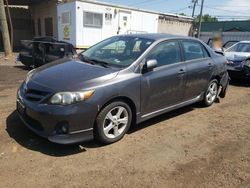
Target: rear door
x,y
163,86
199,68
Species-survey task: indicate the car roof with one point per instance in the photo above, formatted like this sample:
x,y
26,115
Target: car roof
x,y
158,36
244,41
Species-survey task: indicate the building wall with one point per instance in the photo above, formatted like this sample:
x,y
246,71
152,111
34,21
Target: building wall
x,y
176,27
45,10
71,26
138,22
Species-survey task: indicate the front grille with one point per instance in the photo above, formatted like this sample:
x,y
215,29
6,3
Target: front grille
x,y
35,95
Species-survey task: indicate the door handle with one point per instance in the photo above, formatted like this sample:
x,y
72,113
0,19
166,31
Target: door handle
x,y
181,71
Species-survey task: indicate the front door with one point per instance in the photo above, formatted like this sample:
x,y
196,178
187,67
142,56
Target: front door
x,y
124,22
199,68
163,87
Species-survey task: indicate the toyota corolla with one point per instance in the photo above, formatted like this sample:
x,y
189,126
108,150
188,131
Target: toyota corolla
x,y
120,81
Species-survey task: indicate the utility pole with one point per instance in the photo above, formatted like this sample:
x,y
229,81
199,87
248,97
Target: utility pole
x,y
200,19
194,24
194,6
4,30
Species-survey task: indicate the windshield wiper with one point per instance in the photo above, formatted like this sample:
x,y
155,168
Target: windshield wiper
x,y
100,62
93,61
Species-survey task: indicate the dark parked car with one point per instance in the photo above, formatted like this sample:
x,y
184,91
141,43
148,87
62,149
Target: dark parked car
x,y
122,80
40,51
238,57
226,45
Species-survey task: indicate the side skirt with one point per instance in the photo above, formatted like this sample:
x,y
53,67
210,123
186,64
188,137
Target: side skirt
x,y
170,108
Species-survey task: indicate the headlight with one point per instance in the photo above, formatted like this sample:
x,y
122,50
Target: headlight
x,y
247,63
66,98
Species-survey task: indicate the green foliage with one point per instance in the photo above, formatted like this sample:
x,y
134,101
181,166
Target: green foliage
x,y
182,14
207,18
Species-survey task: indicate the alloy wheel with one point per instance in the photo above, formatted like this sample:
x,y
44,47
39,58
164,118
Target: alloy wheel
x,y
115,122
212,92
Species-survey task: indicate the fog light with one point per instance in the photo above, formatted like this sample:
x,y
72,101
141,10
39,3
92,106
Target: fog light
x,y
62,128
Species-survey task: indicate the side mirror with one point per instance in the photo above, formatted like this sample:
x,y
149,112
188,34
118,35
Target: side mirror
x,y
149,65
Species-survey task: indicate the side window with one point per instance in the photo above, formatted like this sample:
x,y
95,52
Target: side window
x,y
166,53
193,50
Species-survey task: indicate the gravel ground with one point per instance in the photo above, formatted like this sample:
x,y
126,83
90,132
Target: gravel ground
x,y
190,147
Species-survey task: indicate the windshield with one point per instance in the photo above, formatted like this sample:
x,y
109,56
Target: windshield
x,y
240,47
119,51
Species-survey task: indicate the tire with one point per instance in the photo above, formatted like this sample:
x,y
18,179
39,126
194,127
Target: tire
x,y
211,93
224,91
113,122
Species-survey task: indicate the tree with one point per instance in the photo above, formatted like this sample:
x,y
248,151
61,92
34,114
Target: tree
x,y
182,14
207,18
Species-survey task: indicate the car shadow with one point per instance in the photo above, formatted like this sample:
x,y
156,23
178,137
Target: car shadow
x,y
26,138
240,83
23,67
163,117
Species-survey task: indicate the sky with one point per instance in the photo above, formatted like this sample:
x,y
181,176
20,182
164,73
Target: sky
x,y
223,9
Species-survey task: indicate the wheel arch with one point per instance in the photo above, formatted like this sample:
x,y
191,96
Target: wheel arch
x,y
217,77
125,99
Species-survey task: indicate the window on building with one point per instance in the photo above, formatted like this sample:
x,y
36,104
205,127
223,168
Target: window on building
x,y
39,27
48,26
91,19
66,18
108,16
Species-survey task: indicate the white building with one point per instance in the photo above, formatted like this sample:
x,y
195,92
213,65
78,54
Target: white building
x,y
84,23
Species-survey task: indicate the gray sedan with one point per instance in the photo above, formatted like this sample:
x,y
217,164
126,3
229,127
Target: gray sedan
x,y
239,60
120,81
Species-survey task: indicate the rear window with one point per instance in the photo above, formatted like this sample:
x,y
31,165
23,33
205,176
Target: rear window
x,y
194,50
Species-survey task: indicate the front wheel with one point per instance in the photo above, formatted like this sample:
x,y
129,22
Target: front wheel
x,y
113,122
211,93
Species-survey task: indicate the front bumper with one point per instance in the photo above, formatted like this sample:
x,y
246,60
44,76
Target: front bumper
x,y
45,120
239,73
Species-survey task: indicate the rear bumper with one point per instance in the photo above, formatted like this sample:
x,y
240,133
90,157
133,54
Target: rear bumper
x,y
26,59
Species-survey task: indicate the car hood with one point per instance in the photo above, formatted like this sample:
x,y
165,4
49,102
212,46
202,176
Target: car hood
x,y
70,75
237,56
